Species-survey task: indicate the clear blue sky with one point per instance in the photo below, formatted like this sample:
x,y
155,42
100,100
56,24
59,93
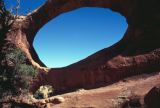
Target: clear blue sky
x,y
75,35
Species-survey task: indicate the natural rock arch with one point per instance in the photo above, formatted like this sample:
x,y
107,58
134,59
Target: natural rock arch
x,y
72,28
136,53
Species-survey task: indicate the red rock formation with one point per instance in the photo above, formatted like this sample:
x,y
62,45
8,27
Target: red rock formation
x,y
136,53
152,97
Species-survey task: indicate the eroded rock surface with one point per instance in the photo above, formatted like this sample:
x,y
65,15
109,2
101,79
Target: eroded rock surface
x,y
152,98
138,52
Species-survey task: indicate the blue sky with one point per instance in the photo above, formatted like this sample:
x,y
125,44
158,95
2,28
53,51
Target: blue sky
x,y
74,35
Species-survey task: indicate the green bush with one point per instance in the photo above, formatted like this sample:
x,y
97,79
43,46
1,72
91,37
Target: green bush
x,y
44,92
16,56
18,60
27,70
16,73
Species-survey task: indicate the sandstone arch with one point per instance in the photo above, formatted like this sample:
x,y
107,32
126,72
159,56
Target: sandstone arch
x,y
136,53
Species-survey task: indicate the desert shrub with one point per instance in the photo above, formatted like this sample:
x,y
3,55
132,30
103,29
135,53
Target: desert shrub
x,y
43,92
27,70
18,59
16,73
16,56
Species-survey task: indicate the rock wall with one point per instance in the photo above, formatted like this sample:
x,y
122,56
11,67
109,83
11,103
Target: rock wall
x,y
138,52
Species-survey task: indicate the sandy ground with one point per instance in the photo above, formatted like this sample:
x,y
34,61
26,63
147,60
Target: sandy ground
x,y
106,97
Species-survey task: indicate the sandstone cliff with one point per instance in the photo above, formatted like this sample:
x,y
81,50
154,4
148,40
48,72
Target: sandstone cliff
x,y
138,52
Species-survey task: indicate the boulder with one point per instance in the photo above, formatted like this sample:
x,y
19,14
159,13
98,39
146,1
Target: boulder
x,y
152,98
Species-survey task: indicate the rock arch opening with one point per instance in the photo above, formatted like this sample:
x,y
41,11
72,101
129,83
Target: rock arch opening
x,y
77,34
137,53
